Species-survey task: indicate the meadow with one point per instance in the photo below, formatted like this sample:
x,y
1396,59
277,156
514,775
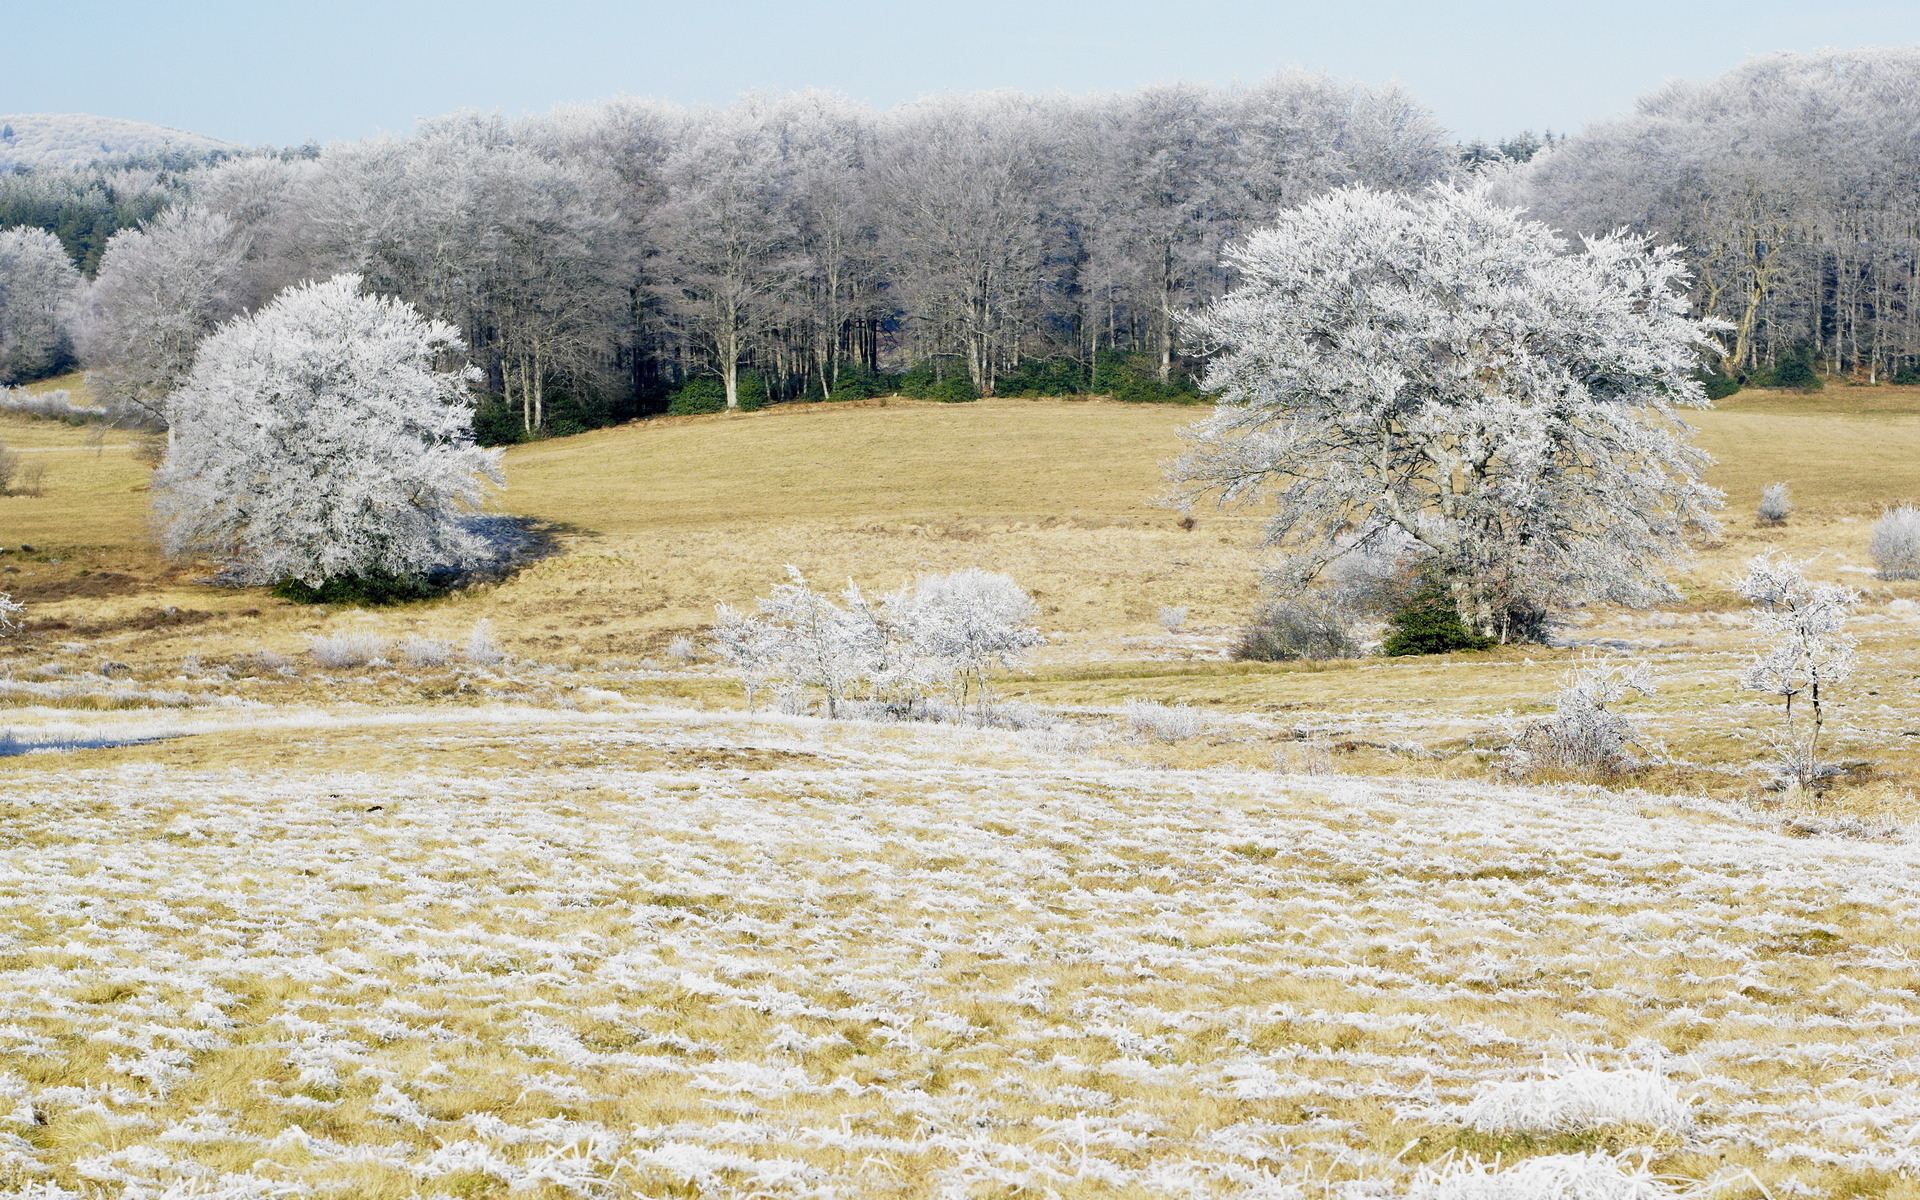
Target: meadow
x,y
578,923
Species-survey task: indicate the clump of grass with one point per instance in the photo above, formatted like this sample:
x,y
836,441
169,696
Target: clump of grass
x,y
345,651
426,652
1164,722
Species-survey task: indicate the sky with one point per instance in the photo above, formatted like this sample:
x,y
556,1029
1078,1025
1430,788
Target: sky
x,y
289,71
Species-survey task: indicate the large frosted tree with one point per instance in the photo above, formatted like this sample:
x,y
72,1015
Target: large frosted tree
x,y
318,439
37,288
1436,372
161,288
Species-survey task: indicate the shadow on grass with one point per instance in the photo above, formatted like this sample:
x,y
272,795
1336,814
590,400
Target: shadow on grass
x,y
12,746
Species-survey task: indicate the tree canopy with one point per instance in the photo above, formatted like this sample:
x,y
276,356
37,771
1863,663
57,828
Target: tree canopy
x,y
1438,373
319,439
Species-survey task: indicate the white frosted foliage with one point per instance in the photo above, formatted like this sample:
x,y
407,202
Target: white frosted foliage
x,y
317,438
1437,368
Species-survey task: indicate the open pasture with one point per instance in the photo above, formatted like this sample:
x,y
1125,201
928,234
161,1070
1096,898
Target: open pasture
x,y
514,951
573,924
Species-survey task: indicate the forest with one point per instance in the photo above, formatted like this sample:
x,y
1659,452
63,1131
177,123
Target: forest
x,y
611,260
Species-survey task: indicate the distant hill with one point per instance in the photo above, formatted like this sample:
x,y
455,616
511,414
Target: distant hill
x,y
40,140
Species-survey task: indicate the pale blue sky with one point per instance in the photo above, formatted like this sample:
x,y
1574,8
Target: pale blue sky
x,y
283,71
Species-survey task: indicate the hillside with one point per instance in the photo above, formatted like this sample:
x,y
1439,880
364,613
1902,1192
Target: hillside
x,y
40,140
577,923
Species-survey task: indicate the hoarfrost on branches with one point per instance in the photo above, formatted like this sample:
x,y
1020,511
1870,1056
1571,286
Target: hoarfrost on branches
x,y
316,439
37,290
1809,652
1436,368
942,633
1776,501
1584,734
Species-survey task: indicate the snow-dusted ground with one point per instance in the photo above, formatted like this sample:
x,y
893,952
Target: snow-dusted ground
x,y
497,951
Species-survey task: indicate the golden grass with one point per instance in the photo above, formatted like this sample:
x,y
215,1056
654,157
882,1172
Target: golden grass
x,y
973,938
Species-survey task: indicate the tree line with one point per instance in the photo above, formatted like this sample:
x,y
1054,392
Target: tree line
x,y
1793,185
596,259
609,260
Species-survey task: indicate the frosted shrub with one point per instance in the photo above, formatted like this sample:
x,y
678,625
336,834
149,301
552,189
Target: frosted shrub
x,y
1775,503
956,628
10,610
268,662
944,633
681,648
1895,543
1584,735
1580,1097
1547,1177
1163,722
481,649
801,639
1808,653
345,650
426,652
1293,630
1173,620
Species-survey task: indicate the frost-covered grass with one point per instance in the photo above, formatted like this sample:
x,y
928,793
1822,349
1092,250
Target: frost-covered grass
x,y
412,952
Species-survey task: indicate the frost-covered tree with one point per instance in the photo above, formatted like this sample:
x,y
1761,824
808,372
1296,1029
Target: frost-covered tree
x,y
37,288
964,624
161,289
317,439
10,610
940,632
1438,369
1808,653
802,639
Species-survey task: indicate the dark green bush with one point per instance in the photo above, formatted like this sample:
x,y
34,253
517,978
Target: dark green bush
x,y
1907,376
701,395
858,381
1717,384
1038,377
1794,371
1429,623
1135,379
938,379
378,588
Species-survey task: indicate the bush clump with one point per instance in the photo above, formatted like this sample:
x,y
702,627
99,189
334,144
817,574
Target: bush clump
x,y
857,381
1584,736
1135,379
1717,384
1895,543
374,589
1776,502
1429,623
939,379
1794,372
1035,378
344,651
1292,630
705,394
1164,722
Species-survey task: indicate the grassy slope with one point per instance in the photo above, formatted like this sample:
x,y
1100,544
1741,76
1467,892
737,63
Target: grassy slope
x,y
670,516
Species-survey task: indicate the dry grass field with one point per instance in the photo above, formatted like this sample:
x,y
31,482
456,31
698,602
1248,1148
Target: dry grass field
x,y
575,924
